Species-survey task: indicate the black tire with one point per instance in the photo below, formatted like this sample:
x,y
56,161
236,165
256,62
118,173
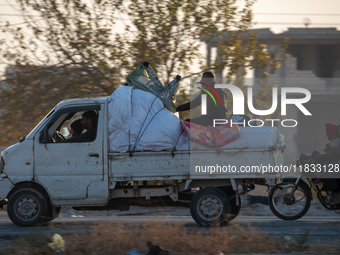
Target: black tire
x,y
294,209
235,209
322,200
27,207
49,216
210,206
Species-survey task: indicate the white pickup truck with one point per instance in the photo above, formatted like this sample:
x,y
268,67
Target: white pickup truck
x,y
39,175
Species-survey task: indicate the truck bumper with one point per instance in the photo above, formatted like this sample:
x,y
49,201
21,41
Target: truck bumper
x,y
5,187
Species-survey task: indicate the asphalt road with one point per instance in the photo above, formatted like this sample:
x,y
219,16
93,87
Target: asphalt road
x,y
323,230
69,220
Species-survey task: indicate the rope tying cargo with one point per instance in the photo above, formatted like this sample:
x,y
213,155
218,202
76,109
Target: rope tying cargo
x,y
139,136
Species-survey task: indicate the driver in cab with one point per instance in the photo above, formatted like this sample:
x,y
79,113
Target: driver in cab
x,y
88,122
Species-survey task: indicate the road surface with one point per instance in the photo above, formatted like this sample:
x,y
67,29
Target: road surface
x,y
68,220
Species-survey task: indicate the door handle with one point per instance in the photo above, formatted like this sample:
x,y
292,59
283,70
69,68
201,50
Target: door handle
x,y
96,155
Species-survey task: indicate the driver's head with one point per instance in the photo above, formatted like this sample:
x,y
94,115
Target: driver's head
x,y
89,120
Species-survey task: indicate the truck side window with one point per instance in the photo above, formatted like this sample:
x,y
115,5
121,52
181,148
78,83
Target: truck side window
x,y
87,129
71,126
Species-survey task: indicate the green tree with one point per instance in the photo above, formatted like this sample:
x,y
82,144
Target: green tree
x,y
240,51
71,48
63,50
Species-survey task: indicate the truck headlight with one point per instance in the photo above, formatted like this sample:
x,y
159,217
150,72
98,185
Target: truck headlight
x,y
2,165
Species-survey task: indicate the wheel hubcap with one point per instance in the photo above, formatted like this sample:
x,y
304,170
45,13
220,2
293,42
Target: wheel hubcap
x,y
210,207
287,200
26,208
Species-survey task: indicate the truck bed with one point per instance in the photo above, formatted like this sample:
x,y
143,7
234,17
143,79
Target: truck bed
x,y
181,165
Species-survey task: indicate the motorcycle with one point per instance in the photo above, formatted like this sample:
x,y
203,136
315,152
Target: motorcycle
x,y
291,199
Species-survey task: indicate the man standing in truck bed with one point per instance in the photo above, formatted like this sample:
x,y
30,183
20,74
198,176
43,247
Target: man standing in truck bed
x,y
216,109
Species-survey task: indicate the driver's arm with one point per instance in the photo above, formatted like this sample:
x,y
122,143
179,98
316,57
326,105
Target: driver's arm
x,y
89,136
75,139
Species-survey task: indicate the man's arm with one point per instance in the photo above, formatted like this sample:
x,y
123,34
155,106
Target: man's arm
x,y
190,105
76,139
88,136
334,154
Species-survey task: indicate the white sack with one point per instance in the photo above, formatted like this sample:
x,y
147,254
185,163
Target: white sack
x,y
139,115
252,138
119,112
257,138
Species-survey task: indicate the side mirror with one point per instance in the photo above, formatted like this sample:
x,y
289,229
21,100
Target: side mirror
x,y
22,139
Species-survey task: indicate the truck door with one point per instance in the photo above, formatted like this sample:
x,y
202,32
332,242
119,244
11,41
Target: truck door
x,y
71,170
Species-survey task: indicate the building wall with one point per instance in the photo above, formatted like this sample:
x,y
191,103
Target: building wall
x,y
314,64
324,106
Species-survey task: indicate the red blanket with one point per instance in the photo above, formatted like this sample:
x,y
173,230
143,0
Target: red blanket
x,y
212,137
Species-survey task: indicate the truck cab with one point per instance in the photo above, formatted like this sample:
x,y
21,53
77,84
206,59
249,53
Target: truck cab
x,y
66,173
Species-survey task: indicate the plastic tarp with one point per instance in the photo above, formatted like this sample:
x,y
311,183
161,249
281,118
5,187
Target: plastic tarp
x,y
144,78
138,121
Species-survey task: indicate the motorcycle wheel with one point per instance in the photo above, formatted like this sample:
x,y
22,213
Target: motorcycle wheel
x,y
295,207
325,204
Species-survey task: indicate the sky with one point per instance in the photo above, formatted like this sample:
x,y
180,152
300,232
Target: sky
x,y
274,14
279,15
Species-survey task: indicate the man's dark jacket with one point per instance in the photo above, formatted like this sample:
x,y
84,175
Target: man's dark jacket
x,y
213,112
88,136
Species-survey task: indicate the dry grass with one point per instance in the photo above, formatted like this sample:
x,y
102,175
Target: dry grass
x,y
118,238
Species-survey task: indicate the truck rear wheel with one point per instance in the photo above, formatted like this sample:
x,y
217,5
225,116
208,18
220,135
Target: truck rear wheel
x,y
50,214
235,209
27,207
210,206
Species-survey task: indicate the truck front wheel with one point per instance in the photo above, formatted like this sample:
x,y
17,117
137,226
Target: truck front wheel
x,y
210,206
27,207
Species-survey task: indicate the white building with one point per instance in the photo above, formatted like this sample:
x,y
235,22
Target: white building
x,y
314,64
